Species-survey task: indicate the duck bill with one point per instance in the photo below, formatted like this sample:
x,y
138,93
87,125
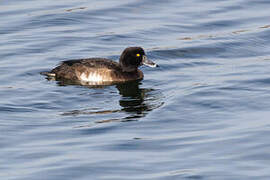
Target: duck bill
x,y
148,62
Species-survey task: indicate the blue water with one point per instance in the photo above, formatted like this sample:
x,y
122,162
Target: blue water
x,y
204,114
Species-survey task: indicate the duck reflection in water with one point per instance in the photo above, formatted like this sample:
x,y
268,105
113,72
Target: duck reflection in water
x,y
133,98
135,101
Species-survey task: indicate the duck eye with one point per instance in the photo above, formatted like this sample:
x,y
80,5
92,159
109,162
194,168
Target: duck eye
x,y
138,55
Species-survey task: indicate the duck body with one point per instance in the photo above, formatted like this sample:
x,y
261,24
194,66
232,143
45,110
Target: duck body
x,y
102,70
94,70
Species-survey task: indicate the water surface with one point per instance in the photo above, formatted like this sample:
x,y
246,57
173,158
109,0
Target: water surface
x,y
204,114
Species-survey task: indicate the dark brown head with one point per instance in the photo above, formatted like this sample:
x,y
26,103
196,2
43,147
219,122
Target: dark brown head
x,y
133,57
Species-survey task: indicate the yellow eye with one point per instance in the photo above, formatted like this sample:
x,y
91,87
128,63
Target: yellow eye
x,y
138,55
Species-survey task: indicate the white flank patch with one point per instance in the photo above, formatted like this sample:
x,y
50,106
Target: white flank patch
x,y
92,77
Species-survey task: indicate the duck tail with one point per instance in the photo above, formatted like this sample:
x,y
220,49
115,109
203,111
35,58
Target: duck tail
x,y
49,74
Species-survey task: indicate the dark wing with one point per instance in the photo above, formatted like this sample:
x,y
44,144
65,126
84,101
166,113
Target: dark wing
x,y
93,63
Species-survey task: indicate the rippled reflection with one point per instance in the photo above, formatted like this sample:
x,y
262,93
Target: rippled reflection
x,y
135,102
